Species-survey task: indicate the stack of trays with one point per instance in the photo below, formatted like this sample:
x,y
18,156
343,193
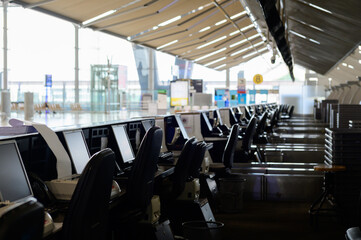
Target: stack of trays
x,y
347,112
343,147
354,124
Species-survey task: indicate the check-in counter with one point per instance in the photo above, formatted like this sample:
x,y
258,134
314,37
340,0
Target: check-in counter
x,y
294,155
298,138
299,129
284,187
281,187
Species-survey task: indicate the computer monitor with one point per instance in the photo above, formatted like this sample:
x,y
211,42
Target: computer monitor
x,y
219,117
181,126
206,122
147,124
123,144
77,148
233,119
225,116
14,182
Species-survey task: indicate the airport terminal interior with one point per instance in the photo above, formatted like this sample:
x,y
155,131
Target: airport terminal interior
x,y
176,119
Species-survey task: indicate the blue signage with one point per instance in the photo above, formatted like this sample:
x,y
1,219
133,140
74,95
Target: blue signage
x,y
48,80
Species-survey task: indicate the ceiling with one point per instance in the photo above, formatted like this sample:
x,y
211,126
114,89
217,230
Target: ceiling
x,y
320,33
221,34
217,34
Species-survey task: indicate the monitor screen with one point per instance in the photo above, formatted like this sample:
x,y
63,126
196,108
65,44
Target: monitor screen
x,y
146,125
219,117
206,120
14,183
233,115
225,116
181,127
78,149
125,148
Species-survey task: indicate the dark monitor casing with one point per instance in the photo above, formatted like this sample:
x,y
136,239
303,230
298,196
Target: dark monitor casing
x,y
14,182
171,123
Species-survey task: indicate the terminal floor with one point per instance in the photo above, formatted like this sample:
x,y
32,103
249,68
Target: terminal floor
x,y
277,220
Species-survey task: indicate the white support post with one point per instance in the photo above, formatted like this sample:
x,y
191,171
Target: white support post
x,y
5,47
151,71
228,81
76,68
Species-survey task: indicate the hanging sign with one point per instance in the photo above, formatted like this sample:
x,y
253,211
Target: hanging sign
x,y
258,79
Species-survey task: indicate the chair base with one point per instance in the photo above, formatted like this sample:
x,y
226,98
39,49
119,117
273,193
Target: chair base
x,y
184,211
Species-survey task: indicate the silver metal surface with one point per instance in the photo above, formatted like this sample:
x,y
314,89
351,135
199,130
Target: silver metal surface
x,y
281,187
294,155
253,188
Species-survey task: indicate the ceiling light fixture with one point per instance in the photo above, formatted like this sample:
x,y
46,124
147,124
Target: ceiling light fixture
x,y
297,34
98,17
221,22
314,41
220,66
205,29
210,54
320,8
211,42
169,21
215,61
254,53
167,44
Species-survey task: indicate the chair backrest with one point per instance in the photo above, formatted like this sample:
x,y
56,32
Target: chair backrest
x,y
261,124
248,135
247,113
228,154
141,180
197,160
25,221
290,113
88,212
181,168
273,120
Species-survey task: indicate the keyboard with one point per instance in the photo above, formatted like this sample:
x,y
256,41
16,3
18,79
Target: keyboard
x,y
166,158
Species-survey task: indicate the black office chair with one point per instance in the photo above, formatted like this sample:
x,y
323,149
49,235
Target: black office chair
x,y
243,155
222,170
288,114
88,212
181,169
141,181
25,221
273,121
259,137
198,156
354,233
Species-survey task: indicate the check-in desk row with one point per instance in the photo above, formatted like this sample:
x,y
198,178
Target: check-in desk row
x,y
125,138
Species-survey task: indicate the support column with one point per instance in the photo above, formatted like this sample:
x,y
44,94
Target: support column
x,y
5,48
76,68
228,81
151,71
